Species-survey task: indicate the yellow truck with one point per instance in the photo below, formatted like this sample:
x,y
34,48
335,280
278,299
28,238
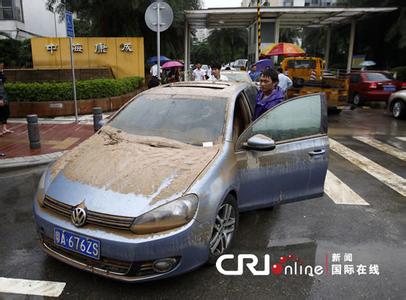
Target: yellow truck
x,y
308,76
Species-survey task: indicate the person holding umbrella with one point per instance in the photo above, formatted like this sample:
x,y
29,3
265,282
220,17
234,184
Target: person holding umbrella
x,y
270,94
173,75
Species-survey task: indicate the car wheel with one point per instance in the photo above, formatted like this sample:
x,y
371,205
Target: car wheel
x,y
224,229
356,99
398,109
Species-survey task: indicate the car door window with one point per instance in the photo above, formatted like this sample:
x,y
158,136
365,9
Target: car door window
x,y
242,116
293,119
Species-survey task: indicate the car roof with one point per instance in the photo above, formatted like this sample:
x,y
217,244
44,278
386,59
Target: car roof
x,y
215,89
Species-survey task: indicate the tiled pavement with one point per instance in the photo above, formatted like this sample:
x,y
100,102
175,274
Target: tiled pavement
x,y
55,138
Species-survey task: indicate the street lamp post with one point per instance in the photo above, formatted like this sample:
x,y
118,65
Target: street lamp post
x,y
56,30
52,9
70,32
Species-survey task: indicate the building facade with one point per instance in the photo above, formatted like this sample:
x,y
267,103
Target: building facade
x,y
269,27
21,19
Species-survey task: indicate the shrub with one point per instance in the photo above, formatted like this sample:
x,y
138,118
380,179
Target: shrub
x,y
85,89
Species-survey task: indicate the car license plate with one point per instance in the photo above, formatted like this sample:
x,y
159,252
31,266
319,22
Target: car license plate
x,y
77,243
389,88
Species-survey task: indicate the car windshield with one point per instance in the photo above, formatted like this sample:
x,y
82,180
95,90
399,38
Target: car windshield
x,y
193,120
378,77
301,64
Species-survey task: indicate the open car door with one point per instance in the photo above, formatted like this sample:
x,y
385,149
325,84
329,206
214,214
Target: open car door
x,y
283,155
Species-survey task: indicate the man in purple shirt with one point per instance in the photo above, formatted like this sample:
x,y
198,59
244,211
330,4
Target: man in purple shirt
x,y
270,94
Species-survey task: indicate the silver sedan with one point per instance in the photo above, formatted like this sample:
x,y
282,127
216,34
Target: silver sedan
x,y
158,190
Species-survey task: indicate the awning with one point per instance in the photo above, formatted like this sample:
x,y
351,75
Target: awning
x,y
242,17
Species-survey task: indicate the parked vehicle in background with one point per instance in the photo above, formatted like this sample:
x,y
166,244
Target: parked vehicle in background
x,y
228,67
308,76
397,104
237,76
240,64
372,86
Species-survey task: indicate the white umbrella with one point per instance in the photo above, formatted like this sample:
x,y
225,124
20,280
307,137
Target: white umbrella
x,y
367,63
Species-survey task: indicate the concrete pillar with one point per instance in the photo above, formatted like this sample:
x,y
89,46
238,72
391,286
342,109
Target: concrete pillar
x,y
256,42
97,118
327,50
187,51
33,131
277,30
277,33
351,46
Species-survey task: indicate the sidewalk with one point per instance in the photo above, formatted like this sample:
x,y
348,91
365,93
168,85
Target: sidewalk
x,y
57,136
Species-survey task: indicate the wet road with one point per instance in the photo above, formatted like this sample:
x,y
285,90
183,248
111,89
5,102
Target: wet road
x,y
368,229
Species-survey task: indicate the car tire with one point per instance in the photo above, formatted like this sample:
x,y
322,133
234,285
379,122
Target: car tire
x,y
224,229
398,109
356,100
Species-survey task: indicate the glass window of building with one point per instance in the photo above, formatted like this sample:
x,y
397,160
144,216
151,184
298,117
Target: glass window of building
x,y
11,10
288,3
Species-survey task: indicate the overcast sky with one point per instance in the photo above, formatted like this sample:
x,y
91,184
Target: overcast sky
x,y
221,3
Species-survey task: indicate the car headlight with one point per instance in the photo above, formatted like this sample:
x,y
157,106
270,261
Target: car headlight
x,y
168,216
41,189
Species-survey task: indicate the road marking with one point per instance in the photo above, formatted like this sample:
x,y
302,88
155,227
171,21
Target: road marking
x,y
402,138
389,178
341,193
382,146
31,287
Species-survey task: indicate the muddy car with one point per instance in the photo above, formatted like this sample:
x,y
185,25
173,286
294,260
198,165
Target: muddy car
x,y
157,191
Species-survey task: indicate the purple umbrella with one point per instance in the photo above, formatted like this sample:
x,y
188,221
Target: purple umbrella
x,y
263,63
171,64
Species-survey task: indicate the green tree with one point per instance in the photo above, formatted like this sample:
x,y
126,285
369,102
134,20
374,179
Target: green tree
x,y
381,37
228,44
15,53
126,18
200,52
289,35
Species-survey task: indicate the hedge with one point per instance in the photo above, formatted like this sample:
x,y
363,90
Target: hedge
x,y
85,89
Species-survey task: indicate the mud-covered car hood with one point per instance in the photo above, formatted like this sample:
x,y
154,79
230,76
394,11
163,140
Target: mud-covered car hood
x,y
122,174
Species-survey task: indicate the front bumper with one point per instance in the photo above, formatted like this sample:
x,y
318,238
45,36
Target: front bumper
x,y
126,256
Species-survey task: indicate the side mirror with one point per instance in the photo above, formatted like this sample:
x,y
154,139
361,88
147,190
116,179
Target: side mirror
x,y
260,142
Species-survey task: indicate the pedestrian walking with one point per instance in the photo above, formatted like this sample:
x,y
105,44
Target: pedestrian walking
x,y
4,105
216,73
284,81
253,73
198,73
154,71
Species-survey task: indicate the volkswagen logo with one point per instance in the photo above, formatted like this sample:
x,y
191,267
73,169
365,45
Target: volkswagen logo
x,y
78,216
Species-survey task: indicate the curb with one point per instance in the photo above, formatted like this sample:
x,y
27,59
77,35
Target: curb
x,y
9,164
